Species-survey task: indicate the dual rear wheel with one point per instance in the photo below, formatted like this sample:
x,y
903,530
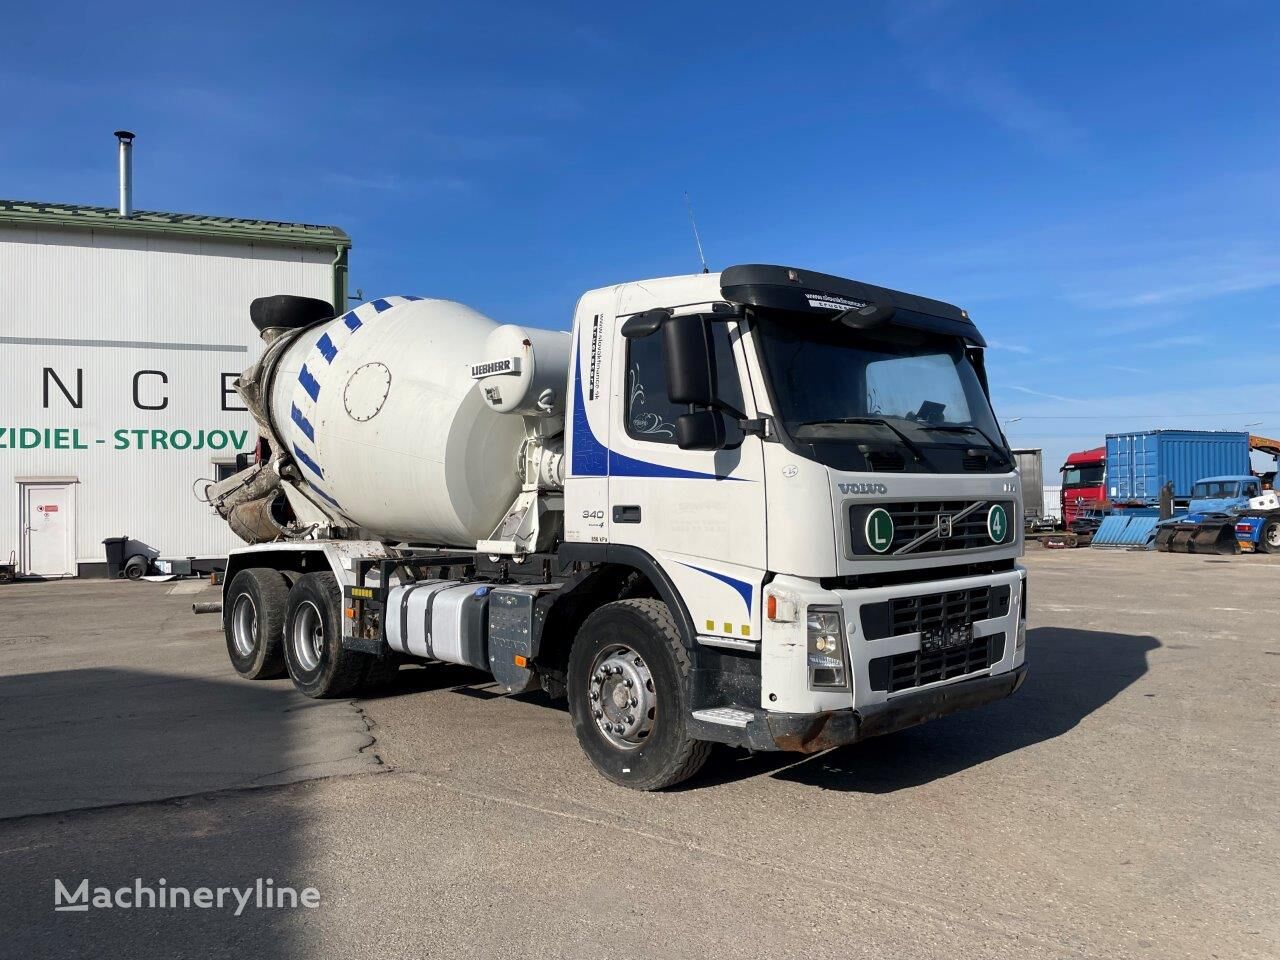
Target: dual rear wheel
x,y
274,626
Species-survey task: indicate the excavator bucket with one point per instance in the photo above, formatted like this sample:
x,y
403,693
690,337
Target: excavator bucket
x,y
1209,537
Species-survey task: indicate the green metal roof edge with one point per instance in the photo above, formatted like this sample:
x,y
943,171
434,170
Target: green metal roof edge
x,y
145,221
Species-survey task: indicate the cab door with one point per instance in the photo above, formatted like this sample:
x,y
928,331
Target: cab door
x,y
699,513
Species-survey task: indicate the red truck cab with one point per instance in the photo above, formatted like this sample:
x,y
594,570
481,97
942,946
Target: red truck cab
x,y
1083,482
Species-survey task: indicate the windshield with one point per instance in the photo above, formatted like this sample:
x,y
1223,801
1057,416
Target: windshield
x,y
923,386
1215,489
1082,476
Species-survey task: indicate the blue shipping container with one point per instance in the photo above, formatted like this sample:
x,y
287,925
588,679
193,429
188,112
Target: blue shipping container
x,y
1139,464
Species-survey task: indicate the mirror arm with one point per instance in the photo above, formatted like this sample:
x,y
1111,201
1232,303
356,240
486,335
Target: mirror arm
x,y
752,426
731,410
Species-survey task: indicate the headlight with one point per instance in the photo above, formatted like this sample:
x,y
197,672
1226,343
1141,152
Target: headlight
x,y
828,664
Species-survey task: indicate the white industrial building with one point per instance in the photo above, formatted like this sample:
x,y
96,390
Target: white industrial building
x,y
122,334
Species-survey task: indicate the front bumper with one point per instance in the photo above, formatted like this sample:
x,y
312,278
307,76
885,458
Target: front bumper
x,y
813,732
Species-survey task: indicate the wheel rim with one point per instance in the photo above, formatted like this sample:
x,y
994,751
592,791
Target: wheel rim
x,y
621,694
308,635
244,625
1273,535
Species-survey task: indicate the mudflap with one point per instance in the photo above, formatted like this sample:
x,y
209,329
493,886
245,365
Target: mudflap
x,y
1215,537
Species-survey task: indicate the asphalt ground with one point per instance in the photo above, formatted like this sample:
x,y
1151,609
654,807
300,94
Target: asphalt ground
x,y
1124,803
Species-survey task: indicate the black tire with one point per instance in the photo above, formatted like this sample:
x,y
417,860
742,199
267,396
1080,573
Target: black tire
x,y
1270,532
135,567
288,311
665,754
253,609
318,665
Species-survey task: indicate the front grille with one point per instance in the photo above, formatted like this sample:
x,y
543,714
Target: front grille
x,y
904,615
905,671
911,520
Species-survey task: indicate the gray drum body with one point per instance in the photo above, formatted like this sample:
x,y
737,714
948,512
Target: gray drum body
x,y
379,410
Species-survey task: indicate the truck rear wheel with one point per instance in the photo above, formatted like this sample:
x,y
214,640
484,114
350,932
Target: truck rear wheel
x,y
1269,540
628,696
253,622
318,665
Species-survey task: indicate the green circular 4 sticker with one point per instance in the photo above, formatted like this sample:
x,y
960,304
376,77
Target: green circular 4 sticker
x,y
879,530
997,523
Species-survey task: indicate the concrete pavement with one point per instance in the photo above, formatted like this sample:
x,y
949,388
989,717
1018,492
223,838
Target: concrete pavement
x,y
1122,804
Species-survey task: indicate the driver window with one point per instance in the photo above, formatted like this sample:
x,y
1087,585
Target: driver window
x,y
649,415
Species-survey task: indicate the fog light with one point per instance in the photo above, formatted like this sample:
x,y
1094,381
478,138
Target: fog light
x,y
827,654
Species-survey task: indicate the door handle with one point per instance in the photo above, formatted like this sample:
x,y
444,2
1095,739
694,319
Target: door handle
x,y
627,513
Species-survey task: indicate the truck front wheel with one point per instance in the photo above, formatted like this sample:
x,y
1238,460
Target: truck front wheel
x,y
1270,539
318,665
628,696
253,622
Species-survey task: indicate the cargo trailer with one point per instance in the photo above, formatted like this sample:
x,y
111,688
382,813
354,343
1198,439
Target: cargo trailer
x,y
1139,464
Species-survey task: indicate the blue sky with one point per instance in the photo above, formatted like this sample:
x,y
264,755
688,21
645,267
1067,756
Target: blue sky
x,y
1095,182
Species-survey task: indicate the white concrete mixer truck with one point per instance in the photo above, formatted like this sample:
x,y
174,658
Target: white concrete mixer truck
x,y
764,507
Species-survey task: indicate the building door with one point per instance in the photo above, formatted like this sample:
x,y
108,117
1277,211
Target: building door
x,y
48,530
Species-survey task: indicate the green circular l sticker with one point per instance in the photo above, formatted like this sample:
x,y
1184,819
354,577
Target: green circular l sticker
x,y
997,523
879,530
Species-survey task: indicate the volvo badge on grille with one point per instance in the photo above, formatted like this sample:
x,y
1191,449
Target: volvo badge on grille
x,y
944,526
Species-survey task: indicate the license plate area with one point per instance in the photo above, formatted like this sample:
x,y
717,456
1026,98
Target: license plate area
x,y
949,636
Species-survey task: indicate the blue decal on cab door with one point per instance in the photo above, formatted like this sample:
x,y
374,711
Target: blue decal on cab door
x,y
744,589
591,458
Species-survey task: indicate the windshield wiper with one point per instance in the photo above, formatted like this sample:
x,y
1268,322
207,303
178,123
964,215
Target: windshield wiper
x,y
970,428
875,422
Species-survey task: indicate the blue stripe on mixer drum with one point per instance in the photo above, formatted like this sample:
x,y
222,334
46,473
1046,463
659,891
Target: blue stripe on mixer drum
x,y
307,462
303,423
326,348
322,495
309,383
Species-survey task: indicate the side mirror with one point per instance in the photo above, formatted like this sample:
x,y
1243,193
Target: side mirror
x,y
691,361
701,430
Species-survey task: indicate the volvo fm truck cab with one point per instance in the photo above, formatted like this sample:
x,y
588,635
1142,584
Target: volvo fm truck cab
x,y
765,507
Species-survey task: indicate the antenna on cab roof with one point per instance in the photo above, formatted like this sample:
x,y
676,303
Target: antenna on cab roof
x,y
696,239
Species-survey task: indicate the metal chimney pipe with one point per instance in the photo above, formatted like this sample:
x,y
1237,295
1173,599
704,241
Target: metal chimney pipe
x,y
126,172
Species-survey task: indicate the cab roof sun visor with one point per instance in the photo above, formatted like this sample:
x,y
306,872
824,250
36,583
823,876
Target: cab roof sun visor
x,y
858,305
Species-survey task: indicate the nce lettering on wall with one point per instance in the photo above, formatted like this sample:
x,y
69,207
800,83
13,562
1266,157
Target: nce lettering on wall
x,y
148,391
